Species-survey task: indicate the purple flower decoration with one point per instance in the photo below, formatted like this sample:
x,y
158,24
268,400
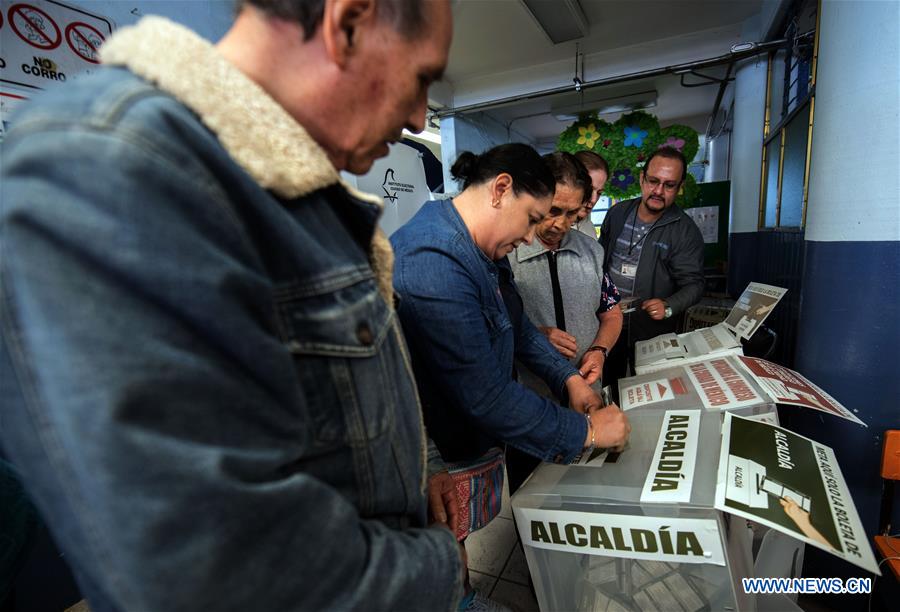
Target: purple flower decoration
x,y
621,179
634,137
675,143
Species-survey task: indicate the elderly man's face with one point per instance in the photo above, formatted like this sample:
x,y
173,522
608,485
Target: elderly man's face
x,y
392,86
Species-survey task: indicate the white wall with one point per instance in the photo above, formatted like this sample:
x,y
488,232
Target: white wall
x,y
477,133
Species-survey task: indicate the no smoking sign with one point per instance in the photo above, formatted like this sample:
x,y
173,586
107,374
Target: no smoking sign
x,y
32,35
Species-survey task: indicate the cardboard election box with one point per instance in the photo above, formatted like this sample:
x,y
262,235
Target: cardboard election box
x,y
641,532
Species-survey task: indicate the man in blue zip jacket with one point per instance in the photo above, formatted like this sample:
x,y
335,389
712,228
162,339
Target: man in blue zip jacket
x,y
654,252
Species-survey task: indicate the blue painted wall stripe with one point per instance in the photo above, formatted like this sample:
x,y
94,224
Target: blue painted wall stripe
x,y
849,344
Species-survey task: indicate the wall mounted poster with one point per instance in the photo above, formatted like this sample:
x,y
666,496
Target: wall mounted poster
x,y
707,220
792,484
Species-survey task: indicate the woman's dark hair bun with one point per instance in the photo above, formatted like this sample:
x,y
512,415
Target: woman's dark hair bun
x,y
464,167
530,174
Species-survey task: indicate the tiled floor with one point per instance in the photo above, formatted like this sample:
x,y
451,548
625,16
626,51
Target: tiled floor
x,y
497,565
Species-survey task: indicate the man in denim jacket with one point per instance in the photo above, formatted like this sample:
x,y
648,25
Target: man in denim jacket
x,y
203,380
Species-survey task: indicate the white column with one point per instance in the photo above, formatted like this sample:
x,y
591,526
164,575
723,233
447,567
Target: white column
x,y
747,142
854,184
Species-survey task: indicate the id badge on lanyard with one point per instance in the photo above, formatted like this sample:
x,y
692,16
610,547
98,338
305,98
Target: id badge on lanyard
x,y
629,270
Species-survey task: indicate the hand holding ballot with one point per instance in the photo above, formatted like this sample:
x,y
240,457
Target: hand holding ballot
x,y
581,397
655,308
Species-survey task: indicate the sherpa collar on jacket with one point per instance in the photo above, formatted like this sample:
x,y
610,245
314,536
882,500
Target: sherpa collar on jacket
x,y
273,148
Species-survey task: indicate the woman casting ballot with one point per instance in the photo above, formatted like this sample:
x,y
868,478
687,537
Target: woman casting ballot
x,y
463,339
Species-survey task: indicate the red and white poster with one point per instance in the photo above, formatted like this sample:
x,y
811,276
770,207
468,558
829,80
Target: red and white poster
x,y
789,387
722,385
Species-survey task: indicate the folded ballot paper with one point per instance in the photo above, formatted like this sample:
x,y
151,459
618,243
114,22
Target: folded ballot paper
x,y
747,316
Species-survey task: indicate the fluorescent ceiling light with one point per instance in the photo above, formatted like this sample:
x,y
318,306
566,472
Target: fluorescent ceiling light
x,y
565,110
424,135
561,20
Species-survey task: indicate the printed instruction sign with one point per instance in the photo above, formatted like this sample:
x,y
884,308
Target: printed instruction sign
x,y
755,304
671,475
652,391
792,484
722,384
691,347
727,382
786,386
680,540
45,42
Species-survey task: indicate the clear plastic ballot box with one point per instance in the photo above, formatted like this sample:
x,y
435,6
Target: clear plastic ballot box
x,y
592,544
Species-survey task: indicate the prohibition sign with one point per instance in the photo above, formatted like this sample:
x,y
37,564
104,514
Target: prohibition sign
x,y
84,40
33,26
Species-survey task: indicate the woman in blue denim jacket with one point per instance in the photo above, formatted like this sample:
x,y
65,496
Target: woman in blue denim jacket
x,y
459,331
456,323
457,326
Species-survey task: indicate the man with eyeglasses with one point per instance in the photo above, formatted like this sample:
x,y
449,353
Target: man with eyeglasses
x,y
654,253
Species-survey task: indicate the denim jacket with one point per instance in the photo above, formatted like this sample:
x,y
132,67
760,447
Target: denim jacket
x,y
462,345
202,382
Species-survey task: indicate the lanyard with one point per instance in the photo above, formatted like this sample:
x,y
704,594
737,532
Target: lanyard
x,y
631,244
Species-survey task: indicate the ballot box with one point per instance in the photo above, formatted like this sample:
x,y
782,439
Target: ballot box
x,y
639,531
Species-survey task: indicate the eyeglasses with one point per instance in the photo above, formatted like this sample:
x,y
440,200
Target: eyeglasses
x,y
655,182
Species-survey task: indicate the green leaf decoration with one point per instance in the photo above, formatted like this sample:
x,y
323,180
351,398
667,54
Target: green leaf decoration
x,y
683,138
689,192
625,145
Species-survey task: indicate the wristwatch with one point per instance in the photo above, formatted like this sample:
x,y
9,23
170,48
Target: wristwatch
x,y
602,349
668,312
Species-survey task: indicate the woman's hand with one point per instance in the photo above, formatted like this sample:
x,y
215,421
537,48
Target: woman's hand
x,y
611,427
581,397
561,341
591,366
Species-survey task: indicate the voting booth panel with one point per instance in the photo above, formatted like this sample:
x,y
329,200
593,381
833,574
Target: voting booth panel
x,y
642,532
